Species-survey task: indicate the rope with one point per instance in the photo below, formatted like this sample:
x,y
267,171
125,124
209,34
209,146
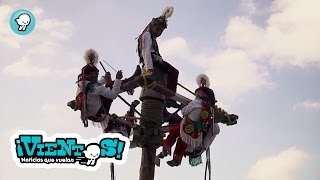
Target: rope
x,y
208,165
144,79
145,82
186,89
112,171
121,96
151,122
152,113
171,115
146,136
151,85
84,113
108,65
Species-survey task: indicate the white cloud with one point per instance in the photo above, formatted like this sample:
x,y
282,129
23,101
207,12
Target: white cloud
x,y
284,166
25,68
175,46
42,47
234,74
249,6
289,37
51,108
52,116
55,29
231,71
307,105
6,35
242,34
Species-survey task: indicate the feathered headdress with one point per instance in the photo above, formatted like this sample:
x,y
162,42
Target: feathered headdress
x,y
204,83
91,56
166,13
203,80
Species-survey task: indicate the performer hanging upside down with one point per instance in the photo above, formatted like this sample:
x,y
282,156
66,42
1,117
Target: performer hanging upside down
x,y
197,122
150,56
97,95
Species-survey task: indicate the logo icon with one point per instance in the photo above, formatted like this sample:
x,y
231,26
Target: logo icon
x,y
34,149
92,153
22,22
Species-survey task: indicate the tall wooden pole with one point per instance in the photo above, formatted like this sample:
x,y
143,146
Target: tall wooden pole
x,y
150,136
147,167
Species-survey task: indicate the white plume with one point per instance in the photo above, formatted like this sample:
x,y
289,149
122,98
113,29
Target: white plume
x,y
90,55
203,80
167,12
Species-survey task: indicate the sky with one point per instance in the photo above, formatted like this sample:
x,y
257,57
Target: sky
x,y
262,58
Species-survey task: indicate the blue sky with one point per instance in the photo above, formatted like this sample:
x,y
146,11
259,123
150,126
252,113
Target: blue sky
x,y
262,57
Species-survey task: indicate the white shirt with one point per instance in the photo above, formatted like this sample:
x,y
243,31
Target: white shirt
x,y
193,110
93,100
146,51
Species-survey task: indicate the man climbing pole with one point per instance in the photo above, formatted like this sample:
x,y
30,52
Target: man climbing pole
x,y
149,135
92,95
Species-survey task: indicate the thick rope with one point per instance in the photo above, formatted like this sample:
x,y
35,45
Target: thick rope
x,y
151,85
152,113
146,84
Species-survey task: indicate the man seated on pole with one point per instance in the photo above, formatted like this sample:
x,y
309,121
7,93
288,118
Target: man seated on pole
x,y
149,54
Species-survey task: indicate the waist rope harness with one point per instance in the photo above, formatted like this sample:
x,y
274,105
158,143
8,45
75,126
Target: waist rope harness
x,y
147,82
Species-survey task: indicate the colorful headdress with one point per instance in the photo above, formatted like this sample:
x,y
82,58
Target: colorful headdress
x,y
204,83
